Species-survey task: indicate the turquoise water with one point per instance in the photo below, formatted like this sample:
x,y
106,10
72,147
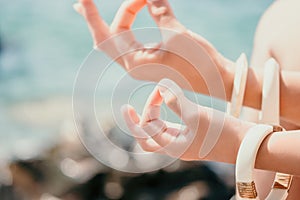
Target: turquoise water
x,y
44,43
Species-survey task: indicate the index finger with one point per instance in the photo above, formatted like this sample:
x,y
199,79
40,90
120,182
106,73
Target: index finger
x,y
126,15
152,107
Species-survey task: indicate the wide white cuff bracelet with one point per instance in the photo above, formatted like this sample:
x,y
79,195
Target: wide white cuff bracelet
x,y
245,185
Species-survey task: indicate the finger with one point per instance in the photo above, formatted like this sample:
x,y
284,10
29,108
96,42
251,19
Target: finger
x,y
149,145
146,143
122,23
154,127
160,133
174,98
131,119
173,141
126,15
175,125
162,14
152,107
97,26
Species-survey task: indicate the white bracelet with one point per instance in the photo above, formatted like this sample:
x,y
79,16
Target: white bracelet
x,y
269,113
245,163
246,160
239,85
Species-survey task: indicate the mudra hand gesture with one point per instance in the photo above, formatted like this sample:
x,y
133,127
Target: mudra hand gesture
x,y
187,142
150,63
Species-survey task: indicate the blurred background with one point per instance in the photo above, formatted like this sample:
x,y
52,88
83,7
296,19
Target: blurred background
x,y
42,45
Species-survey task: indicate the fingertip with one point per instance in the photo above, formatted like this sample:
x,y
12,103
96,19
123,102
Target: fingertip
x,y
175,99
169,90
129,113
168,84
158,11
136,5
162,86
161,12
126,15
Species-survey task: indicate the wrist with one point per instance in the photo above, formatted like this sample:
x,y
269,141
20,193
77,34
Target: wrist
x,y
234,131
227,71
253,92
231,137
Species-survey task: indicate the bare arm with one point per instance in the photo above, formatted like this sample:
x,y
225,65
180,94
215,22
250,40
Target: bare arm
x,y
147,64
278,152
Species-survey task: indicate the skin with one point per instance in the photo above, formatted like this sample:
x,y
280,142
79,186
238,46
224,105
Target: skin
x,y
161,137
281,45
139,61
156,135
271,41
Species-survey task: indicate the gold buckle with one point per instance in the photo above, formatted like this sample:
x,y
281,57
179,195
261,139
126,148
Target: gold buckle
x,y
282,181
247,189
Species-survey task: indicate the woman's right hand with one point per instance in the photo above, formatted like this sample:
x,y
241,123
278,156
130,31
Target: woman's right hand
x,y
190,59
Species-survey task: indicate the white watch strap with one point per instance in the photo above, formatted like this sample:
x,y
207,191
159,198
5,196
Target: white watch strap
x,y
239,85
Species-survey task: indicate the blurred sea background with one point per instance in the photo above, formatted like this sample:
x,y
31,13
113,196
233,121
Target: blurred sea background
x,y
43,44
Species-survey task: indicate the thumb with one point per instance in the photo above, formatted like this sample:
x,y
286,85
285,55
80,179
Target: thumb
x,y
162,13
174,98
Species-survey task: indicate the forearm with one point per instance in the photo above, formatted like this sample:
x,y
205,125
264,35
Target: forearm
x,y
216,61
289,91
228,143
289,96
226,69
278,152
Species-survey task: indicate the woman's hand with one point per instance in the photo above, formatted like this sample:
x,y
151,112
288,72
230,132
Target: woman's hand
x,y
206,135
187,58
278,152
149,64
156,135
